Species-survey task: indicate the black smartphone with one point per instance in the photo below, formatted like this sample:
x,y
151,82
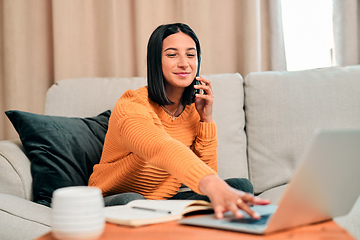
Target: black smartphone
x,y
198,91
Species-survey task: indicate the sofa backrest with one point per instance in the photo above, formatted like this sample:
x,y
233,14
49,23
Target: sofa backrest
x,y
284,108
87,97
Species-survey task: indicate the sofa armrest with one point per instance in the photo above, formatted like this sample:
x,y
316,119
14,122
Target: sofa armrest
x,y
15,177
22,219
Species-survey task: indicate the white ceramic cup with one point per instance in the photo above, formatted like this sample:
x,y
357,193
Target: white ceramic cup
x,y
77,213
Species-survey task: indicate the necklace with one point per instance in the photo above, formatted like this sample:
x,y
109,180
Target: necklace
x,y
172,114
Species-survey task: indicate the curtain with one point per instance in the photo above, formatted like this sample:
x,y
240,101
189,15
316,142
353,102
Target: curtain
x,y
45,41
346,22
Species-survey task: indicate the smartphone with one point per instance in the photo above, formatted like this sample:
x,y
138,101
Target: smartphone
x,y
198,91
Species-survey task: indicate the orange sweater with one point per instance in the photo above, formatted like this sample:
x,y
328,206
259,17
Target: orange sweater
x,y
147,152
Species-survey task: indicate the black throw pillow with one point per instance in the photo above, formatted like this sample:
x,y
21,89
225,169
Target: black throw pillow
x,y
62,150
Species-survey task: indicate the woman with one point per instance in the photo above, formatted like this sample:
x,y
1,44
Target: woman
x,y
162,137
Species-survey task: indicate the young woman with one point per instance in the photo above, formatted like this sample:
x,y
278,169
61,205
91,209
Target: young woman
x,y
162,138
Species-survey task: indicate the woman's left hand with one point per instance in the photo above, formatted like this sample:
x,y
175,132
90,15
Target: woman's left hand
x,y
204,102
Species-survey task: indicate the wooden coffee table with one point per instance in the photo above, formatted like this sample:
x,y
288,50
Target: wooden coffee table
x,y
175,231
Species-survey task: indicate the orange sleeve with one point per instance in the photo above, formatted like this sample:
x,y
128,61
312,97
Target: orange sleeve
x,y
142,137
205,145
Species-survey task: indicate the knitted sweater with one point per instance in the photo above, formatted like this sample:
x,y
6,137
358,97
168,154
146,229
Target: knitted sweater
x,y
147,152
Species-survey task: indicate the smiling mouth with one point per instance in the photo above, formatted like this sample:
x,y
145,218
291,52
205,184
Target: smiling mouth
x,y
182,74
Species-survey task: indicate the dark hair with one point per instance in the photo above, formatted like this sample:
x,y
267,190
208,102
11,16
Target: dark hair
x,y
155,77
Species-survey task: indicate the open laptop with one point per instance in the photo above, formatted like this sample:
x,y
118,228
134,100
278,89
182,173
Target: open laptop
x,y
325,185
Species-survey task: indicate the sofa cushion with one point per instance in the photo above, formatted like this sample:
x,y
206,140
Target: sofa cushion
x,y
86,97
62,150
229,115
282,110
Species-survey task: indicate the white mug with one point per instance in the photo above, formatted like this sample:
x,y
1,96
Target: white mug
x,y
77,213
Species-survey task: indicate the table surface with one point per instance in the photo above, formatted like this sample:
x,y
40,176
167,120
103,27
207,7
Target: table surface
x,y
175,231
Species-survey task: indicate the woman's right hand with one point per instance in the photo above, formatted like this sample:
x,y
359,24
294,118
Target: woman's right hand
x,y
225,198
204,102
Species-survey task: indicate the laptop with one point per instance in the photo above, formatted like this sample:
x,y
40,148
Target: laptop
x,y
325,185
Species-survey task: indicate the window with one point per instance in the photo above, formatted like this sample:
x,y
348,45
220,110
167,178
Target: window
x,y
308,33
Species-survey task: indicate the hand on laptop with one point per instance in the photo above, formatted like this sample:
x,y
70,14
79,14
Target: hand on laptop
x,y
225,198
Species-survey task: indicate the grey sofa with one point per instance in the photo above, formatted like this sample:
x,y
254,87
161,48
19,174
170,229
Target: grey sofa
x,y
264,123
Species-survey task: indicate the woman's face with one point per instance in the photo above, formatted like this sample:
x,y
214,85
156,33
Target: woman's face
x,y
179,60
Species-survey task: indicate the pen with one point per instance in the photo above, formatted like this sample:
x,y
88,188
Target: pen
x,y
152,209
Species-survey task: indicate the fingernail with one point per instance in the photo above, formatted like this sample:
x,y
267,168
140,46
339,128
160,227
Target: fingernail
x,y
256,215
239,215
219,215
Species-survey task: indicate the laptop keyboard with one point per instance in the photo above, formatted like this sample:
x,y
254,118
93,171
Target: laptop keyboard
x,y
262,221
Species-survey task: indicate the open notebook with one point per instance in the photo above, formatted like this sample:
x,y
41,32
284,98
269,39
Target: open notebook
x,y
325,185
143,212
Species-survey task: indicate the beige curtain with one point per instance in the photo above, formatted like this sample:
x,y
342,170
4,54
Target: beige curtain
x,y
346,20
44,41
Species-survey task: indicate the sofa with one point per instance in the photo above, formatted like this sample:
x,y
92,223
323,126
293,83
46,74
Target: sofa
x,y
264,123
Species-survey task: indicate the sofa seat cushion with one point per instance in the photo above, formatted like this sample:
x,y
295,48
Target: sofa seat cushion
x,y
274,194
62,150
283,109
